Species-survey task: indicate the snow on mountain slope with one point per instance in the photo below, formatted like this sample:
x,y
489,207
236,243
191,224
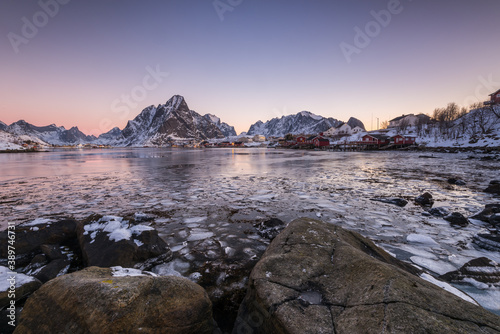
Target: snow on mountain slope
x,y
50,134
225,128
157,126
303,122
9,141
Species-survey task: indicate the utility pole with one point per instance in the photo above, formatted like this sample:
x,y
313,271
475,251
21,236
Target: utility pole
x,y
377,124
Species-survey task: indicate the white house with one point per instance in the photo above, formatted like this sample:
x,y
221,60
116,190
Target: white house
x,y
341,130
356,129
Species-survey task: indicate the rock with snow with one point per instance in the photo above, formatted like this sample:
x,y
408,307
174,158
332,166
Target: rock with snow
x,y
53,269
270,229
304,122
477,271
30,236
96,301
316,277
21,284
457,219
112,241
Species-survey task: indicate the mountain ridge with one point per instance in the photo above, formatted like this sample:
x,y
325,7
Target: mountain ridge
x,y
304,122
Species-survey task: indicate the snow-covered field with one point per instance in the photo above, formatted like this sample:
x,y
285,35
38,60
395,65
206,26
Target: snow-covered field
x,y
205,201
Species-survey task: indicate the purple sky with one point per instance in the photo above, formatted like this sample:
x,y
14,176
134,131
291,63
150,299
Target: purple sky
x,y
89,63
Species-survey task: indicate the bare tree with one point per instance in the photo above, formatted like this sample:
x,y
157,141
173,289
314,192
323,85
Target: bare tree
x,y
403,124
384,125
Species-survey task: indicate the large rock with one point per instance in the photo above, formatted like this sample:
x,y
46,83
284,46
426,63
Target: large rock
x,y
30,237
111,241
319,278
94,301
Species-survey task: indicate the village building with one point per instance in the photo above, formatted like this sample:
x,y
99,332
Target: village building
x,y
342,130
320,142
259,138
245,140
494,98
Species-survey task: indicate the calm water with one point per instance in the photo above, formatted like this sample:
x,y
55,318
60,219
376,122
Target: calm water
x,y
210,196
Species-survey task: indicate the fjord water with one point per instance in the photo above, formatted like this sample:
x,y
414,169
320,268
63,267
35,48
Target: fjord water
x,y
212,196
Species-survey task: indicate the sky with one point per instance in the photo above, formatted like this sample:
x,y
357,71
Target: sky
x,y
96,64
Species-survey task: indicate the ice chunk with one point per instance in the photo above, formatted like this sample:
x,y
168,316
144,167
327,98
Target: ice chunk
x,y
195,220
172,268
200,236
120,234
5,274
420,238
438,267
448,288
479,285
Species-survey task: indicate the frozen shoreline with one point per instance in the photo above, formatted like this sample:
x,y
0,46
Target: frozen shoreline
x,y
203,201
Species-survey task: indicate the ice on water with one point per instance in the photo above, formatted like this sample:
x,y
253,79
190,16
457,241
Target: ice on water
x,y
205,203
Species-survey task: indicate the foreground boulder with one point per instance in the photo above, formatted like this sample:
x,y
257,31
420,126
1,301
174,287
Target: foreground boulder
x,y
111,241
319,278
95,301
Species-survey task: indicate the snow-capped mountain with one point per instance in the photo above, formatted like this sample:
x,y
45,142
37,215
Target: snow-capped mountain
x,y
304,122
51,134
225,128
159,125
3,126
